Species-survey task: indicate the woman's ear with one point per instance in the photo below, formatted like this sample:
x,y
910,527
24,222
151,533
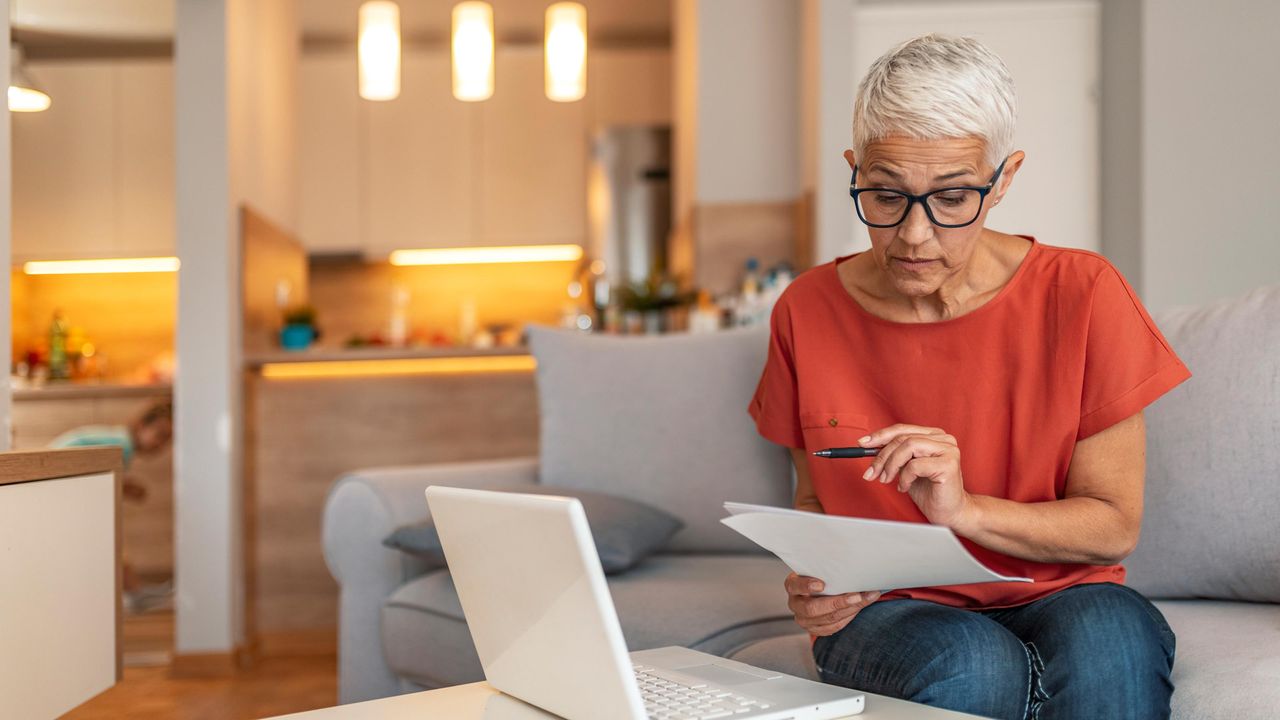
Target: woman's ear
x,y
1006,176
848,156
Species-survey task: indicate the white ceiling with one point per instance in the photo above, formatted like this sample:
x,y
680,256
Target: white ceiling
x,y
645,20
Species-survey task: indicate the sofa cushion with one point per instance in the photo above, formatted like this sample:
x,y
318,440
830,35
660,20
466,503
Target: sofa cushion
x,y
1227,663
625,531
1213,458
713,603
660,419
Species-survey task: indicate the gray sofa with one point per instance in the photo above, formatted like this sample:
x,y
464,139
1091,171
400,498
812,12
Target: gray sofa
x,y
664,420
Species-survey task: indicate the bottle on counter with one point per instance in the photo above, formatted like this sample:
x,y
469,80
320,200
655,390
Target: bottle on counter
x,y
59,367
398,326
705,316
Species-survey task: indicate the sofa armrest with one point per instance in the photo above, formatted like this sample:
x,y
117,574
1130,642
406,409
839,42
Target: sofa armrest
x,y
362,508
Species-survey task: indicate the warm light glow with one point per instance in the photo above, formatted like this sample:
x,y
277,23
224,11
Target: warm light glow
x,y
108,265
472,51
471,256
379,50
23,99
405,366
566,51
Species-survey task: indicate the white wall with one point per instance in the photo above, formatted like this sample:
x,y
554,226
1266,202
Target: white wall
x,y
736,65
748,121
1211,149
234,64
1052,50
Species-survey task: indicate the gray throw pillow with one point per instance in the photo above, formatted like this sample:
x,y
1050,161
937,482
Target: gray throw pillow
x,y
625,531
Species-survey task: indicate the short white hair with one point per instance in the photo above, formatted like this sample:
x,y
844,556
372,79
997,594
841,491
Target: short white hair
x,y
934,87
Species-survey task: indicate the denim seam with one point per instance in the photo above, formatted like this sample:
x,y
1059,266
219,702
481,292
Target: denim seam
x,y
1026,706
1038,664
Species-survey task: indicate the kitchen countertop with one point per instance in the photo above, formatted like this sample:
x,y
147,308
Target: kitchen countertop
x,y
76,390
327,354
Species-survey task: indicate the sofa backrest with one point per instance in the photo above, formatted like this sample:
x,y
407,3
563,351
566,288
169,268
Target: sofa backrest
x,y
660,419
1211,526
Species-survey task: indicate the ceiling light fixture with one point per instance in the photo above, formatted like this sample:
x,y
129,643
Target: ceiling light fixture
x,y
566,52
24,94
379,50
473,51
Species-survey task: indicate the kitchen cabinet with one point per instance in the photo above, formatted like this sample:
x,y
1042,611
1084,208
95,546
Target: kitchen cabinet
x,y
426,170
330,162
533,162
420,151
93,175
144,167
629,86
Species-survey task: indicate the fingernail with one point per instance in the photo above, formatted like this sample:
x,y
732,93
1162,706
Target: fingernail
x,y
884,477
875,596
815,586
867,475
864,439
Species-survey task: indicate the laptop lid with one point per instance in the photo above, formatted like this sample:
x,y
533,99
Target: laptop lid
x,y
536,602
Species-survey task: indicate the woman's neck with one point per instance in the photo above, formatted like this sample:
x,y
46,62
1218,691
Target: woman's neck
x,y
994,261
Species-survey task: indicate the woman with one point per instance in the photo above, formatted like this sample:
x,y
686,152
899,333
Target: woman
x,y
1003,381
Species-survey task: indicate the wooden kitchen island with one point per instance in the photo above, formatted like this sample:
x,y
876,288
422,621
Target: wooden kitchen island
x,y
314,415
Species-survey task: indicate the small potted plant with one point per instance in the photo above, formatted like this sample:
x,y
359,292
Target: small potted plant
x,y
299,329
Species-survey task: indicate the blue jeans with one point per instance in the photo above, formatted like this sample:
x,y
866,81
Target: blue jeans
x,y
1090,651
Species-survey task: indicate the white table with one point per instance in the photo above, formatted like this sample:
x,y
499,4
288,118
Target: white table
x,y
479,701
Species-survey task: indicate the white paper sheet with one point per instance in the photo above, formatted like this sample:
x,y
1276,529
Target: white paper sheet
x,y
857,555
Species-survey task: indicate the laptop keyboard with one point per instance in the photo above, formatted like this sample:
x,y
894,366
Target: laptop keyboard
x,y
668,696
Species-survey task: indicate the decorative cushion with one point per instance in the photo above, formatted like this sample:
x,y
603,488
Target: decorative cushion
x,y
625,531
1210,527
660,419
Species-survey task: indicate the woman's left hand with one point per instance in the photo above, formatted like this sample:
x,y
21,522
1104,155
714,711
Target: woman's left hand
x,y
925,463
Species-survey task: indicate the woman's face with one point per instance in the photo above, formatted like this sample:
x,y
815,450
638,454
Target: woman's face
x,y
916,256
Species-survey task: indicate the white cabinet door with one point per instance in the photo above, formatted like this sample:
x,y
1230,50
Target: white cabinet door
x,y
421,161
533,155
144,167
629,86
331,172
64,166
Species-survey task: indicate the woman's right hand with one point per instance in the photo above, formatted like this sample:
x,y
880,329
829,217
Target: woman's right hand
x,y
823,615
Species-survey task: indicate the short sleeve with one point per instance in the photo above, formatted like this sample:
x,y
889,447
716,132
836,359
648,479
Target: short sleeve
x,y
1128,363
775,405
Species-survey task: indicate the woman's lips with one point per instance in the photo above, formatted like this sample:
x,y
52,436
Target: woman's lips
x,y
915,263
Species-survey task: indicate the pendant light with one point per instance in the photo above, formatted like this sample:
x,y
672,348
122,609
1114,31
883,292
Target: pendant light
x,y
473,51
566,52
379,50
24,94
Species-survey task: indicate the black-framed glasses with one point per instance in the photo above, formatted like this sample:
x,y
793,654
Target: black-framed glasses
x,y
952,207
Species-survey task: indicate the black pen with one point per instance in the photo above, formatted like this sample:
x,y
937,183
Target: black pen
x,y
847,452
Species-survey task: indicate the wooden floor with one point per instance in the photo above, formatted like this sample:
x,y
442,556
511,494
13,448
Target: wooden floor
x,y
274,686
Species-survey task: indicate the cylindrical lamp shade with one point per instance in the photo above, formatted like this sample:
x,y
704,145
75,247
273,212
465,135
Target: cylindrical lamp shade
x,y
566,51
472,51
24,94
379,50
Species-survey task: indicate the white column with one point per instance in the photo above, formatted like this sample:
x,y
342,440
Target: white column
x,y
207,517
6,221
827,80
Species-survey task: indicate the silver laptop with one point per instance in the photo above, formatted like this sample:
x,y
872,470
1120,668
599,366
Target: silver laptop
x,y
544,626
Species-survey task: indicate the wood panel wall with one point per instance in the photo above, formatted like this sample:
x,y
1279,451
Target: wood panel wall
x,y
306,433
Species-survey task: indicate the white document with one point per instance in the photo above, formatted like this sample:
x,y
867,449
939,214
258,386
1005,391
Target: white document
x,y
857,555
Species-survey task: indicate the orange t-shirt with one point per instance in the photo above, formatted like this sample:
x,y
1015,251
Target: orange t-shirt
x,y
1063,351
